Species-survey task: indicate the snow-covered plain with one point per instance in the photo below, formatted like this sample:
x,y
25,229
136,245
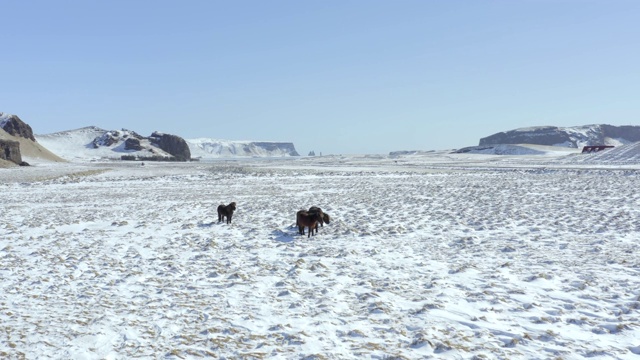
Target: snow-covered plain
x,y
427,256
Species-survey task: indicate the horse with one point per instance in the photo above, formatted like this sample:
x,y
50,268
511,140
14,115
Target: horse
x,y
325,217
307,219
226,211
315,209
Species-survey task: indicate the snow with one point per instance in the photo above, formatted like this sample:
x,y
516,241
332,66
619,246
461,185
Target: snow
x,y
520,149
208,148
432,255
77,146
623,155
4,117
535,128
580,135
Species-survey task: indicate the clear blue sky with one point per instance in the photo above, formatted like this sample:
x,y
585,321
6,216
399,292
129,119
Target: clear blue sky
x,y
336,76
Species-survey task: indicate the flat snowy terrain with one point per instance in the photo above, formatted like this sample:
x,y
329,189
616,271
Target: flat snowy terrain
x,y
427,256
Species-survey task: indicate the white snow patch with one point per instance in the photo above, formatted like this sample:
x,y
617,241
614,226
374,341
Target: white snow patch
x,y
4,117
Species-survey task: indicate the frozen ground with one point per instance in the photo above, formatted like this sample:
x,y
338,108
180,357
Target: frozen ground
x,y
430,256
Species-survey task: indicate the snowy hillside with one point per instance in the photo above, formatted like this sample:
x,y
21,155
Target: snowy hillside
x,y
507,155
575,137
622,155
518,149
94,143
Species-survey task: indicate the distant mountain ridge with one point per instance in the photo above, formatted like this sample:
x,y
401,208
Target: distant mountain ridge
x,y
573,137
92,143
215,148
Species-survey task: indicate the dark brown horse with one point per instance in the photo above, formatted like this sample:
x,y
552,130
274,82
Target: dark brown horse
x,y
226,210
307,219
325,217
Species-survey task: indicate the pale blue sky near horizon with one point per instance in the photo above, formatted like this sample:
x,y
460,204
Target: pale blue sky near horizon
x,y
338,77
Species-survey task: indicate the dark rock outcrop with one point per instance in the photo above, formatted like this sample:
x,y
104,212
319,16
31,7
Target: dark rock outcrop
x,y
112,137
172,144
573,137
10,150
16,127
132,144
107,139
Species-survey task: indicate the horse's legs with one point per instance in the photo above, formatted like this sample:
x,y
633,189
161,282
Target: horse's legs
x,y
300,228
311,227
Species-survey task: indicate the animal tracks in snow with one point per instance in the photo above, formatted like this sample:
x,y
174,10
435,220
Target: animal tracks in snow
x,y
415,263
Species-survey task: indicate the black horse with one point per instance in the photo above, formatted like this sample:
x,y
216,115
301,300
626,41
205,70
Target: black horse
x,y
226,210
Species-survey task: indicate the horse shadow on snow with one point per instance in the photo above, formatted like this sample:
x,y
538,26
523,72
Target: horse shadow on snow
x,y
282,236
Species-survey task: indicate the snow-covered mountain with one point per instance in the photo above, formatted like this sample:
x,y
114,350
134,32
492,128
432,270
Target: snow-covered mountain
x,y
574,137
93,143
214,148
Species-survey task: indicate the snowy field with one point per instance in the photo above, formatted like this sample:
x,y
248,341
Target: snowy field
x,y
427,256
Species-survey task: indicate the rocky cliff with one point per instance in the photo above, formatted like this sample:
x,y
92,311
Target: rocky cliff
x,y
10,151
133,142
172,144
574,137
16,127
212,148
20,144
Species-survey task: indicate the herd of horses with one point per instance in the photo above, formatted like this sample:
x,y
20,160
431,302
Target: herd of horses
x,y
304,218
